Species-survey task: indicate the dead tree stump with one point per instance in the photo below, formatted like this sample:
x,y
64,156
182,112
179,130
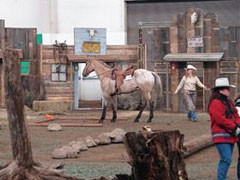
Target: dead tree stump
x,y
23,166
156,155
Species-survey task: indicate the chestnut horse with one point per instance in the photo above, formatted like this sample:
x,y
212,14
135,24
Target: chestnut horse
x,y
142,79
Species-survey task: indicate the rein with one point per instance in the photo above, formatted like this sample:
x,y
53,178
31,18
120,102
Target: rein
x,y
101,74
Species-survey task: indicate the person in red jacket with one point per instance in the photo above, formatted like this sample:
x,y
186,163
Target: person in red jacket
x,y
224,124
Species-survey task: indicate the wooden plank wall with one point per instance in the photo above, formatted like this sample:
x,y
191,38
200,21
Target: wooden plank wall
x,y
2,48
230,65
64,90
25,39
163,40
157,39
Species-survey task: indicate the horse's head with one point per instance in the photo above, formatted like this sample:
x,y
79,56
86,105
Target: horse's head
x,y
88,68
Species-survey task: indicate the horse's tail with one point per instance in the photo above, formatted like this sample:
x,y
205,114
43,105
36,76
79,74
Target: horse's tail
x,y
158,84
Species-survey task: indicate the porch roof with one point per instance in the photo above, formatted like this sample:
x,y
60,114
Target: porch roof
x,y
194,57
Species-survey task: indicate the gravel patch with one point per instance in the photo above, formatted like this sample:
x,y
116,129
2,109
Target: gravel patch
x,y
90,171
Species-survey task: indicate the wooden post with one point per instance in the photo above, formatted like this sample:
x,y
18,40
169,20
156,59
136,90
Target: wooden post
x,y
21,145
23,166
72,86
2,47
174,48
156,155
76,86
167,87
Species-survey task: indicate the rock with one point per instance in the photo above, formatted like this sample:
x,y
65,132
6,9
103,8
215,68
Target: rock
x,y
129,101
83,146
109,134
72,142
64,152
71,153
118,132
97,141
26,108
59,154
104,139
90,142
118,135
54,127
79,146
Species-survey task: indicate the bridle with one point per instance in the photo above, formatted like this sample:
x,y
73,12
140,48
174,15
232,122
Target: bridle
x,y
96,73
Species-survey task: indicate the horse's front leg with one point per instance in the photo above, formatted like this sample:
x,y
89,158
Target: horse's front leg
x,y
114,109
103,112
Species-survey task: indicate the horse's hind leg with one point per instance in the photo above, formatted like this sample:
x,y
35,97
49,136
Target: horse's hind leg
x,y
148,97
151,106
114,117
103,112
142,106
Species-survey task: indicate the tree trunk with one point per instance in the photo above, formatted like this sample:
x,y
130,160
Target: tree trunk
x,y
156,155
23,166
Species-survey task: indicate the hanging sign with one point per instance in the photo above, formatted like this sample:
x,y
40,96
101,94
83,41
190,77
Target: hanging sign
x,y
195,42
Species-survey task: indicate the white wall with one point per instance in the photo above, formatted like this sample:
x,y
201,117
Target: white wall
x,y
56,19
26,13
108,14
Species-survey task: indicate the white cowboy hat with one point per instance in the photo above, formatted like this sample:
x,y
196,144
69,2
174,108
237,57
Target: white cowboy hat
x,y
191,67
222,82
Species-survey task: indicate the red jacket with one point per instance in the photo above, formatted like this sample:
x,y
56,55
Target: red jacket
x,y
222,127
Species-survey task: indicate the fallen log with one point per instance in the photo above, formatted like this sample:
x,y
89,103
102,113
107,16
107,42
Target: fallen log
x,y
156,155
197,144
66,124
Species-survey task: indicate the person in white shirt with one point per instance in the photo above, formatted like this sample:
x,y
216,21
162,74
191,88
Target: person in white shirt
x,y
237,105
189,83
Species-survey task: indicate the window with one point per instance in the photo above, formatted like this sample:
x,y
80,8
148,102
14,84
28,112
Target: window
x,y
59,72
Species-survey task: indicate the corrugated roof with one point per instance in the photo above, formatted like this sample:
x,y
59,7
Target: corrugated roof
x,y
193,57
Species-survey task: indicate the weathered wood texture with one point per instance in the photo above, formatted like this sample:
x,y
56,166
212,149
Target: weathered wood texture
x,y
21,146
156,155
216,39
24,39
2,47
197,144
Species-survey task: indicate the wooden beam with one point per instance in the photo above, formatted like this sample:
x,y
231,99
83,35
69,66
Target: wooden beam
x,y
105,58
67,124
194,57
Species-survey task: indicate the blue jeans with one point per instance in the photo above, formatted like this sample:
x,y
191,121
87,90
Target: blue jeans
x,y
225,151
192,115
238,164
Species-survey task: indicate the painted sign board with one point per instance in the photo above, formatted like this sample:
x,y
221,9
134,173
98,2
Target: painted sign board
x,y
195,42
90,41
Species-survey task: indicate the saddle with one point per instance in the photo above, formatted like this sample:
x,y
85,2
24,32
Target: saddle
x,y
119,75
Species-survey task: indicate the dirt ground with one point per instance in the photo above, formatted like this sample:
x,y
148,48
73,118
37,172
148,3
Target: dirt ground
x,y
112,159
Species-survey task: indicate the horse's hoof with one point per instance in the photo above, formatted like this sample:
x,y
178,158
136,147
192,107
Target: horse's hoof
x,y
149,121
113,120
136,120
100,121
